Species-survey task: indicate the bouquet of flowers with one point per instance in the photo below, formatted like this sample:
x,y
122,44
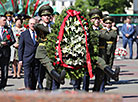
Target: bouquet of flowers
x,y
70,37
8,36
120,52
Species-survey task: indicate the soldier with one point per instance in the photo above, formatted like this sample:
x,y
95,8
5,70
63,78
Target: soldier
x,y
111,44
42,30
9,16
101,67
95,16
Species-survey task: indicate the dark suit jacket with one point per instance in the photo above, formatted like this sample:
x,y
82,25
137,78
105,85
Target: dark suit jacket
x,y
27,49
129,31
136,34
5,50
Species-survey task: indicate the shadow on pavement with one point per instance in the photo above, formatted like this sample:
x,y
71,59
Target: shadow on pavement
x,y
130,96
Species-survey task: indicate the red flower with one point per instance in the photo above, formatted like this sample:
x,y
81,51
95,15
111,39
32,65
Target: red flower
x,y
7,32
55,57
17,34
82,17
86,23
58,37
26,26
54,63
85,19
58,62
8,37
36,36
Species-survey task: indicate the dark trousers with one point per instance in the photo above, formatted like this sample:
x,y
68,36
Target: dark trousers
x,y
137,49
86,81
41,76
55,85
130,43
31,71
76,83
99,83
4,63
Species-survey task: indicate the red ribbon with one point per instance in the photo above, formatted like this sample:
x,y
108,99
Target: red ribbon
x,y
26,6
36,5
2,5
12,3
61,32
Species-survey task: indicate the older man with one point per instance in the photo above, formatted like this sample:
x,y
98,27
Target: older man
x,y
26,52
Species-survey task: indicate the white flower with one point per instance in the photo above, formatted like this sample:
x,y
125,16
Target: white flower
x,y
58,59
67,22
76,23
57,42
70,19
72,28
65,39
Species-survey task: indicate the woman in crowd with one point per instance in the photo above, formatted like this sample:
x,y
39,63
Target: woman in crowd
x,y
17,30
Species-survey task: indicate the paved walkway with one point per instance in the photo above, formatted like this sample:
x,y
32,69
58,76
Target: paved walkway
x,y
127,86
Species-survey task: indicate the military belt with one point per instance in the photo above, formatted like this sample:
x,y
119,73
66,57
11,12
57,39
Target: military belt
x,y
102,47
41,44
109,42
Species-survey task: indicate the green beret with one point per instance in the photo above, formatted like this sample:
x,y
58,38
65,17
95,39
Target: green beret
x,y
108,19
94,13
44,10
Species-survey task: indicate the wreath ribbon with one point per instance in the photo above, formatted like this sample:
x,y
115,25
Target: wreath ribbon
x,y
61,32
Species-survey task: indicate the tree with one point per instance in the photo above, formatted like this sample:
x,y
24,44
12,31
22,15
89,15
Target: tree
x,y
112,6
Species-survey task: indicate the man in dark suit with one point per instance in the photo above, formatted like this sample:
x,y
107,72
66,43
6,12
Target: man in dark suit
x,y
136,39
26,52
128,31
6,40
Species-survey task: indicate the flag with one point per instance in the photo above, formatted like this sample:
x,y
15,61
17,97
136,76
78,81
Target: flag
x,y
40,5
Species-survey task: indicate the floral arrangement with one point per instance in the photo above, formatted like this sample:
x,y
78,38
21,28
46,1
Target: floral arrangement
x,y
8,36
68,45
120,52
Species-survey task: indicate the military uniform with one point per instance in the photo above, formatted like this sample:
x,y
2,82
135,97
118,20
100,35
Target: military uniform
x,y
41,53
111,45
9,22
102,67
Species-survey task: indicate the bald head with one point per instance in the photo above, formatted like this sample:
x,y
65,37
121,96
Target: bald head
x,y
32,22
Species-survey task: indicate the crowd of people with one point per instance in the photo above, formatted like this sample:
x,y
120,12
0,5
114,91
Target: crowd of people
x,y
22,44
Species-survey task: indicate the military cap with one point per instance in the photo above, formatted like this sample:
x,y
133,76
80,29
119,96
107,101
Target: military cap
x,y
55,13
94,13
45,10
25,17
8,14
108,19
17,16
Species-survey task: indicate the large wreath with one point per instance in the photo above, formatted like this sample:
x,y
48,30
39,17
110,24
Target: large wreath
x,y
69,43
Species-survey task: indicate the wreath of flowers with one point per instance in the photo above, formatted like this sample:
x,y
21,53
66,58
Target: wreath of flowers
x,y
120,52
69,50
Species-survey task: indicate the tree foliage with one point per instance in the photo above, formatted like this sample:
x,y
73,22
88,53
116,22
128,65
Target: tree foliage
x,y
112,6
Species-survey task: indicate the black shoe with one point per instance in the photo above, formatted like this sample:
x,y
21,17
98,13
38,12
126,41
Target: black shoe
x,y
14,77
113,74
136,58
108,83
59,78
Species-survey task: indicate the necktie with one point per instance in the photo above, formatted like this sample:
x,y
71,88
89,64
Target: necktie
x,y
34,37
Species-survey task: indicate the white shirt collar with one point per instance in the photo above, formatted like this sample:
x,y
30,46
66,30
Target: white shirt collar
x,y
95,28
31,32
